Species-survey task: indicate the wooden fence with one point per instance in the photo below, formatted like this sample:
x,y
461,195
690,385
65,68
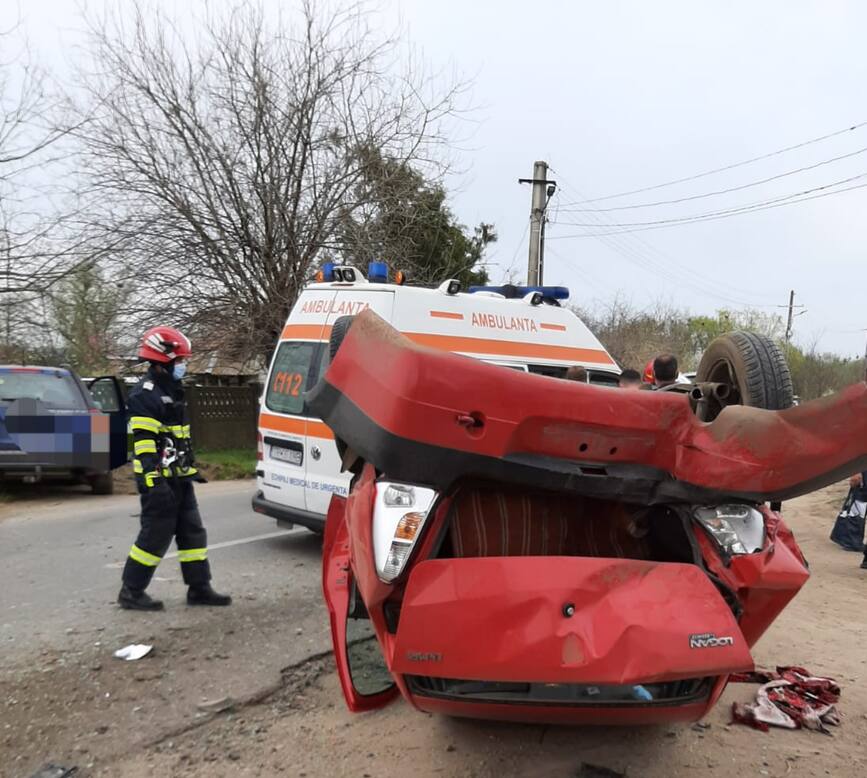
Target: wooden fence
x,y
223,417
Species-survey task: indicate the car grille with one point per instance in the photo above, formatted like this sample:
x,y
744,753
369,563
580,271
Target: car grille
x,y
566,694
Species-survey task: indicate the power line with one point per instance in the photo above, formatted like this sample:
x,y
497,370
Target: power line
x,y
729,167
511,267
699,283
761,205
719,191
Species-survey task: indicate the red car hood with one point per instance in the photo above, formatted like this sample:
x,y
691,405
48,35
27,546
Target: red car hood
x,y
432,417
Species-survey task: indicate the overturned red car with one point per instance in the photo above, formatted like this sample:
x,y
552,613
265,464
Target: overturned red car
x,y
520,547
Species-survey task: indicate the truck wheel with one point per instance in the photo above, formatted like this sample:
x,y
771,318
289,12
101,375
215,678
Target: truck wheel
x,y
102,483
752,367
338,333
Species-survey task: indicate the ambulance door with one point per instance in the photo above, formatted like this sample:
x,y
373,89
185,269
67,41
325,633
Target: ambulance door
x,y
284,421
323,463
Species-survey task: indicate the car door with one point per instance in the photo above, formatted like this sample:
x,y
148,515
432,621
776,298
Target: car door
x,y
108,395
364,676
323,462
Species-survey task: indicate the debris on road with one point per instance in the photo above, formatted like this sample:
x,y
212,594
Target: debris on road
x,y
216,706
133,652
55,771
790,698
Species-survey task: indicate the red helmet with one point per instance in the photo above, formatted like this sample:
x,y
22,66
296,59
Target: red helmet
x,y
648,377
164,344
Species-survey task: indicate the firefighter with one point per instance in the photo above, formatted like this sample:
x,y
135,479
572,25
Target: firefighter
x,y
165,471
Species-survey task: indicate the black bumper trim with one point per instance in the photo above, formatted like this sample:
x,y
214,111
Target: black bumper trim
x,y
284,515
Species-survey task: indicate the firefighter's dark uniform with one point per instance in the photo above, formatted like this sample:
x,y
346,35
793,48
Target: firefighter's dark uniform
x,y
160,427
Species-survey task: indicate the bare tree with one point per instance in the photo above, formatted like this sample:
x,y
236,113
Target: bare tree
x,y
35,252
30,126
225,165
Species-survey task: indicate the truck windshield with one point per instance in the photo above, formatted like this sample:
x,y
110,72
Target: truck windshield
x,y
56,389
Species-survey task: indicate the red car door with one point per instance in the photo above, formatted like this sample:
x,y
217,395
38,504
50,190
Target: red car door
x,y
344,609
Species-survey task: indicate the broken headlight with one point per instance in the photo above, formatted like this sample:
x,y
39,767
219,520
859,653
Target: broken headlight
x,y
737,529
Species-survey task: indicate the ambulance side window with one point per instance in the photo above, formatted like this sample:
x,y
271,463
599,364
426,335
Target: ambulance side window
x,y
554,371
294,372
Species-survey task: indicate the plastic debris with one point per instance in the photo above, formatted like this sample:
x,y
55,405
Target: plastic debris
x,y
133,651
790,698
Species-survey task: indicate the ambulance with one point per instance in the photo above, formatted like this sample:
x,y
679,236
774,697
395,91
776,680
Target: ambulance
x,y
519,328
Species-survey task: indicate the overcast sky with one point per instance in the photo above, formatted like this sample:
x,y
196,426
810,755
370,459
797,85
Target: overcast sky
x,y
619,96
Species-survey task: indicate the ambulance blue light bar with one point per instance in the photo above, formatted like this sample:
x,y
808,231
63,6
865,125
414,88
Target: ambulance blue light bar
x,y
377,272
512,292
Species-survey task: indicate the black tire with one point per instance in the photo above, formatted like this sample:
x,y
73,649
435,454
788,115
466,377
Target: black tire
x,y
753,366
102,483
338,333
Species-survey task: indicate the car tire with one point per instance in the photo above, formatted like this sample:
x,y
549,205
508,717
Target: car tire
x,y
103,483
751,364
338,333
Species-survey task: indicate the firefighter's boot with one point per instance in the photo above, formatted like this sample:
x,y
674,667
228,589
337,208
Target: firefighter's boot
x,y
137,600
205,595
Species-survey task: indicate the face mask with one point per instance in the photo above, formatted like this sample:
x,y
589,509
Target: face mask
x,y
179,370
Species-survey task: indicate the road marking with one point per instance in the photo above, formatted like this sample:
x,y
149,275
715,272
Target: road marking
x,y
224,544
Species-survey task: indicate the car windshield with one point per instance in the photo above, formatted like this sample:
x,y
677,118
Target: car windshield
x,y
56,389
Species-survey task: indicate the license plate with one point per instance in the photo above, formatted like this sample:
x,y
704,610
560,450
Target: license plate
x,y
289,455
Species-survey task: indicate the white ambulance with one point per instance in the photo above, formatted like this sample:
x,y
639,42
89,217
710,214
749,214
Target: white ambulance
x,y
521,328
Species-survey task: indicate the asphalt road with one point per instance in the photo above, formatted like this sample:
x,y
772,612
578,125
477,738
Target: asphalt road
x,y
60,562
61,556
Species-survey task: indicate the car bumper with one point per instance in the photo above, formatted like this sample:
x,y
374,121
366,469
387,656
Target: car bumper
x,y
287,515
625,715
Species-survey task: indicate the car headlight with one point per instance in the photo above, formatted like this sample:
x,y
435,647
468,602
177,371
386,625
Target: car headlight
x,y
399,496
399,514
738,529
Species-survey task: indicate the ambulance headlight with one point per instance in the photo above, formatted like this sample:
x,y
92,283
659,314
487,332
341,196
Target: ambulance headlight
x,y
399,515
737,529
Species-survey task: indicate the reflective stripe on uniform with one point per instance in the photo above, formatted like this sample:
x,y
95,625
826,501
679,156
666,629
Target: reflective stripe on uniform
x,y
150,478
192,554
146,423
185,472
136,466
143,557
145,447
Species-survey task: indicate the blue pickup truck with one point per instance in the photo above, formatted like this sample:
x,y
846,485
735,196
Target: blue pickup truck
x,y
55,426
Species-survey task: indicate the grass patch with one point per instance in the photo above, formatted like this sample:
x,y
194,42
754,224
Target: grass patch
x,y
227,464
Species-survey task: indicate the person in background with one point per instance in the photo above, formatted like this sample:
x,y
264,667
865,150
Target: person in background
x,y
859,483
629,379
665,372
576,373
